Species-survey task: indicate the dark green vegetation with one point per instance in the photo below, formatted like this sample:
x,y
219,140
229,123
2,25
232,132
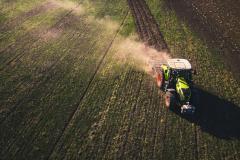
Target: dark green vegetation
x,y
64,95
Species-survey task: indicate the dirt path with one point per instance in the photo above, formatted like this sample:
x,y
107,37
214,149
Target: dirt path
x,y
146,25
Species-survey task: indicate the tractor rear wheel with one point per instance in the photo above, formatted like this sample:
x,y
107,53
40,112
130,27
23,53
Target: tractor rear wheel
x,y
159,79
170,100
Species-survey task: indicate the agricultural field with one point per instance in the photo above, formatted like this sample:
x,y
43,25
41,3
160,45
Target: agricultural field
x,y
74,83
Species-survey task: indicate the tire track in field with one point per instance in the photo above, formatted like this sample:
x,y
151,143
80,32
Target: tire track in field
x,y
151,40
143,33
89,84
57,25
147,26
154,27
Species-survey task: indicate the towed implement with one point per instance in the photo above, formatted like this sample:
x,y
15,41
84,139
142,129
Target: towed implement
x,y
174,77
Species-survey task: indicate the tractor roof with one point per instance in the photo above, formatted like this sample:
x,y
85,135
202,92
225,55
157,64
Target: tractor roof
x,y
179,64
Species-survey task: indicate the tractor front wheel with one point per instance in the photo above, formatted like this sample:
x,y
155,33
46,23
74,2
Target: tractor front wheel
x,y
169,100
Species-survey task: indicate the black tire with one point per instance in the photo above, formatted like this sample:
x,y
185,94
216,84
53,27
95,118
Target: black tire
x,y
170,100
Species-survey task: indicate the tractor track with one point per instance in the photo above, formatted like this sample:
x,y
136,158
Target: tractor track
x,y
88,86
147,26
152,39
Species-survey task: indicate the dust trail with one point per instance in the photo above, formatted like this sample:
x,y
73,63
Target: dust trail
x,y
69,5
106,22
138,54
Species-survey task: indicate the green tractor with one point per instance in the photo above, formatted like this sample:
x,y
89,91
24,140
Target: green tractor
x,y
175,78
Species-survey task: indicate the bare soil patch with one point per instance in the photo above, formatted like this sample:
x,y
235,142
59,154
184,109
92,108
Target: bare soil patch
x,y
147,26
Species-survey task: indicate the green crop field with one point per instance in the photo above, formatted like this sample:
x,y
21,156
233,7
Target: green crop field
x,y
73,85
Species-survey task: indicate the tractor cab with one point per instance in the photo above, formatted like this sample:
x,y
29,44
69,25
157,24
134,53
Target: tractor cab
x,y
176,71
179,68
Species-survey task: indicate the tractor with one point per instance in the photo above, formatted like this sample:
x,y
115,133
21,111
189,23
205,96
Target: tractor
x,y
174,77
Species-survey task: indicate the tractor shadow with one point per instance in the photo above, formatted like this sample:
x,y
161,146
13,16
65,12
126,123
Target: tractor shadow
x,y
216,116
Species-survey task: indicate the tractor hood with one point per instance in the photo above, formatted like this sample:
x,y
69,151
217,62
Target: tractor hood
x,y
183,90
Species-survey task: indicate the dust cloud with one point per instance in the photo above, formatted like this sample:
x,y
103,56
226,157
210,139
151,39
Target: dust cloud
x,y
138,54
106,22
69,5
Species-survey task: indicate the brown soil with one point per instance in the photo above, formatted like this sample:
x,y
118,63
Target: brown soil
x,y
147,26
217,22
